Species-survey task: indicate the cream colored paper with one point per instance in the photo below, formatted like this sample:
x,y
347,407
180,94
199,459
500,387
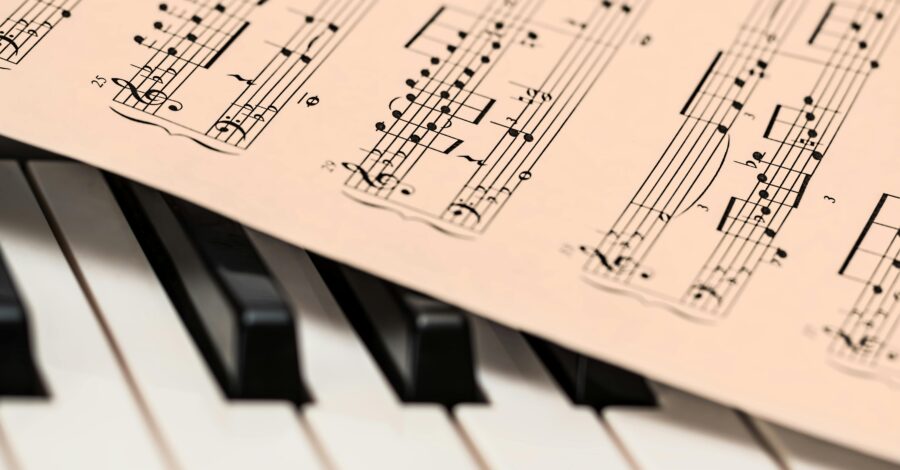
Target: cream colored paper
x,y
595,219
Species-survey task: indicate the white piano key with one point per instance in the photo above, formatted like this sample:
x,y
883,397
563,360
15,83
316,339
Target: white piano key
x,y
200,426
686,432
355,415
6,462
529,422
800,452
92,419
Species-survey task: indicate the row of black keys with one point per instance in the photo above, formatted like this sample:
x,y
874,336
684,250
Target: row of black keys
x,y
423,346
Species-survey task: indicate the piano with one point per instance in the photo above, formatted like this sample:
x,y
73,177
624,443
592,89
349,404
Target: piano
x,y
140,331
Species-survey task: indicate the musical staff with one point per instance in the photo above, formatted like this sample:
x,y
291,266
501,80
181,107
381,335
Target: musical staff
x,y
444,107
806,134
190,38
844,48
677,187
28,25
693,157
865,341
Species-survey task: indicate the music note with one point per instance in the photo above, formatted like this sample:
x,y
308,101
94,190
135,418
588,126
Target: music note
x,y
430,102
30,24
181,49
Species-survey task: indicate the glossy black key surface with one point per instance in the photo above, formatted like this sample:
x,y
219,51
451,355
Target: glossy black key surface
x,y
224,293
591,382
423,346
18,373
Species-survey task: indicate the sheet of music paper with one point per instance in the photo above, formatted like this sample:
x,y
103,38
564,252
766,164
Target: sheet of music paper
x,y
706,192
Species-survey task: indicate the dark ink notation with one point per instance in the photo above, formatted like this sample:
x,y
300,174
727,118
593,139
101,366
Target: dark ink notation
x,y
28,25
443,106
191,38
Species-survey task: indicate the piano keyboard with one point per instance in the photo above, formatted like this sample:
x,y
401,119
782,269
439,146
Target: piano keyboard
x,y
140,331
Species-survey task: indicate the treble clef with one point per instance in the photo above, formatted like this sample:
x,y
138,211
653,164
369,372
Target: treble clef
x,y
354,168
154,98
390,182
150,97
385,181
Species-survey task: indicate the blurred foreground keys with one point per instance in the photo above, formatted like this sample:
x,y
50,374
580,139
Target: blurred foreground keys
x,y
200,427
591,382
223,292
528,422
90,403
356,416
18,371
686,432
107,347
422,345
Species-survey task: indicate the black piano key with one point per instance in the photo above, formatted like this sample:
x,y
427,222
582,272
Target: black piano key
x,y
224,293
591,382
18,371
423,346
14,150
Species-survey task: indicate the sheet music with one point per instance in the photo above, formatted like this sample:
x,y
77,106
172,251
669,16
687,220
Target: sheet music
x,y
863,340
27,25
184,47
705,192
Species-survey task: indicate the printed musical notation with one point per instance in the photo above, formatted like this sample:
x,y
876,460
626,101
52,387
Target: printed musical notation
x,y
865,341
191,36
842,51
452,125
28,25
